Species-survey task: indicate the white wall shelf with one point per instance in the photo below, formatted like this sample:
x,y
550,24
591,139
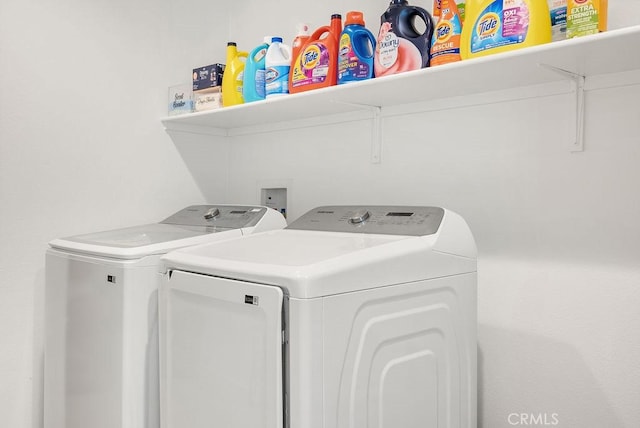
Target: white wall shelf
x,y
611,52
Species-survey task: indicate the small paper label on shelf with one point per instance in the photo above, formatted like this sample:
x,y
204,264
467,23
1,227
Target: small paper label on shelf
x,y
180,99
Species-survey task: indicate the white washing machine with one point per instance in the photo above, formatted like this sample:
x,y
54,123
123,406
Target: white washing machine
x,y
101,355
352,316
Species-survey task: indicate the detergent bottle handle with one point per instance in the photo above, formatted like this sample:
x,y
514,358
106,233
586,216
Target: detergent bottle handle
x,y
255,51
287,49
363,32
319,32
428,20
243,56
407,28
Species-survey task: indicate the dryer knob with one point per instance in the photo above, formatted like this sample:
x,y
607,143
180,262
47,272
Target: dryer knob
x,y
212,213
360,217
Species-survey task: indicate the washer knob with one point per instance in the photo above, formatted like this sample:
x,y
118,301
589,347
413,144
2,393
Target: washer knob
x,y
212,213
360,217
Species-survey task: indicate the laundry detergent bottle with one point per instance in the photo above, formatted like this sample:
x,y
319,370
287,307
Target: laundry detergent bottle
x,y
470,8
461,5
494,26
586,17
445,46
278,63
316,66
233,77
401,46
300,40
253,87
357,46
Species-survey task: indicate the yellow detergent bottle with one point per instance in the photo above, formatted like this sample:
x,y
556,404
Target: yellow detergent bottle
x,y
470,7
493,26
233,77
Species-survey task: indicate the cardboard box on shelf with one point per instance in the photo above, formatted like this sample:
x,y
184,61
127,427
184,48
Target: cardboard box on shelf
x,y
208,99
207,82
207,77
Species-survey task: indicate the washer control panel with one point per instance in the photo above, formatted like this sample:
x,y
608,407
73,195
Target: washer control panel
x,y
222,216
384,220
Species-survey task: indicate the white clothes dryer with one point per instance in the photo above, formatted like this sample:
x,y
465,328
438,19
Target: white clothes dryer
x,y
352,316
101,343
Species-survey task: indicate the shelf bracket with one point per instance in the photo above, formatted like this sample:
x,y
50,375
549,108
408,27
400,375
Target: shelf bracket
x,y
578,82
376,129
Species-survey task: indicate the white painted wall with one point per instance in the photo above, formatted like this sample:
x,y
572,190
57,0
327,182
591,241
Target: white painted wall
x,y
557,232
82,86
250,21
559,329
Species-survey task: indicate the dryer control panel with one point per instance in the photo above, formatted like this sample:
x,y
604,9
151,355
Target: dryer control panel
x,y
384,220
223,216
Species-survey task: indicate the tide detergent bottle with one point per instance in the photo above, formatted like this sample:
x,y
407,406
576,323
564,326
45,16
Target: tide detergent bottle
x,y
300,40
253,87
494,26
461,5
233,77
401,46
445,46
316,66
357,45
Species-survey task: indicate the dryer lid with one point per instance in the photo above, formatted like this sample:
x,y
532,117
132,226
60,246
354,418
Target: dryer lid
x,y
322,260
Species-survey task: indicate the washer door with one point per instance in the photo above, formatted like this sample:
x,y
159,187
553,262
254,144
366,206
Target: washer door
x,y
221,346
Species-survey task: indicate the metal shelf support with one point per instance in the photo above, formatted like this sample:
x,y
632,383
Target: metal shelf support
x,y
376,129
578,82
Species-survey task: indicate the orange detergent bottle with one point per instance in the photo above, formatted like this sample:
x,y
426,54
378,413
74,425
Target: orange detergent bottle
x,y
316,66
445,45
300,40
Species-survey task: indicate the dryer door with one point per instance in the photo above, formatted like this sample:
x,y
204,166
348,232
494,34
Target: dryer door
x,y
221,350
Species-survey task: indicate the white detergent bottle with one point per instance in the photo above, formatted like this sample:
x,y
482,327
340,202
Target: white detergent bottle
x,y
277,63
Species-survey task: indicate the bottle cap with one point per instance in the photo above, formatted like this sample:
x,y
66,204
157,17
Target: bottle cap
x,y
355,17
231,44
276,39
336,16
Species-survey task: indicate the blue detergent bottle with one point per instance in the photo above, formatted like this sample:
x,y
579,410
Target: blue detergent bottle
x,y
253,88
357,47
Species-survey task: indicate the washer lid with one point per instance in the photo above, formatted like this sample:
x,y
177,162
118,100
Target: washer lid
x,y
138,241
190,226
